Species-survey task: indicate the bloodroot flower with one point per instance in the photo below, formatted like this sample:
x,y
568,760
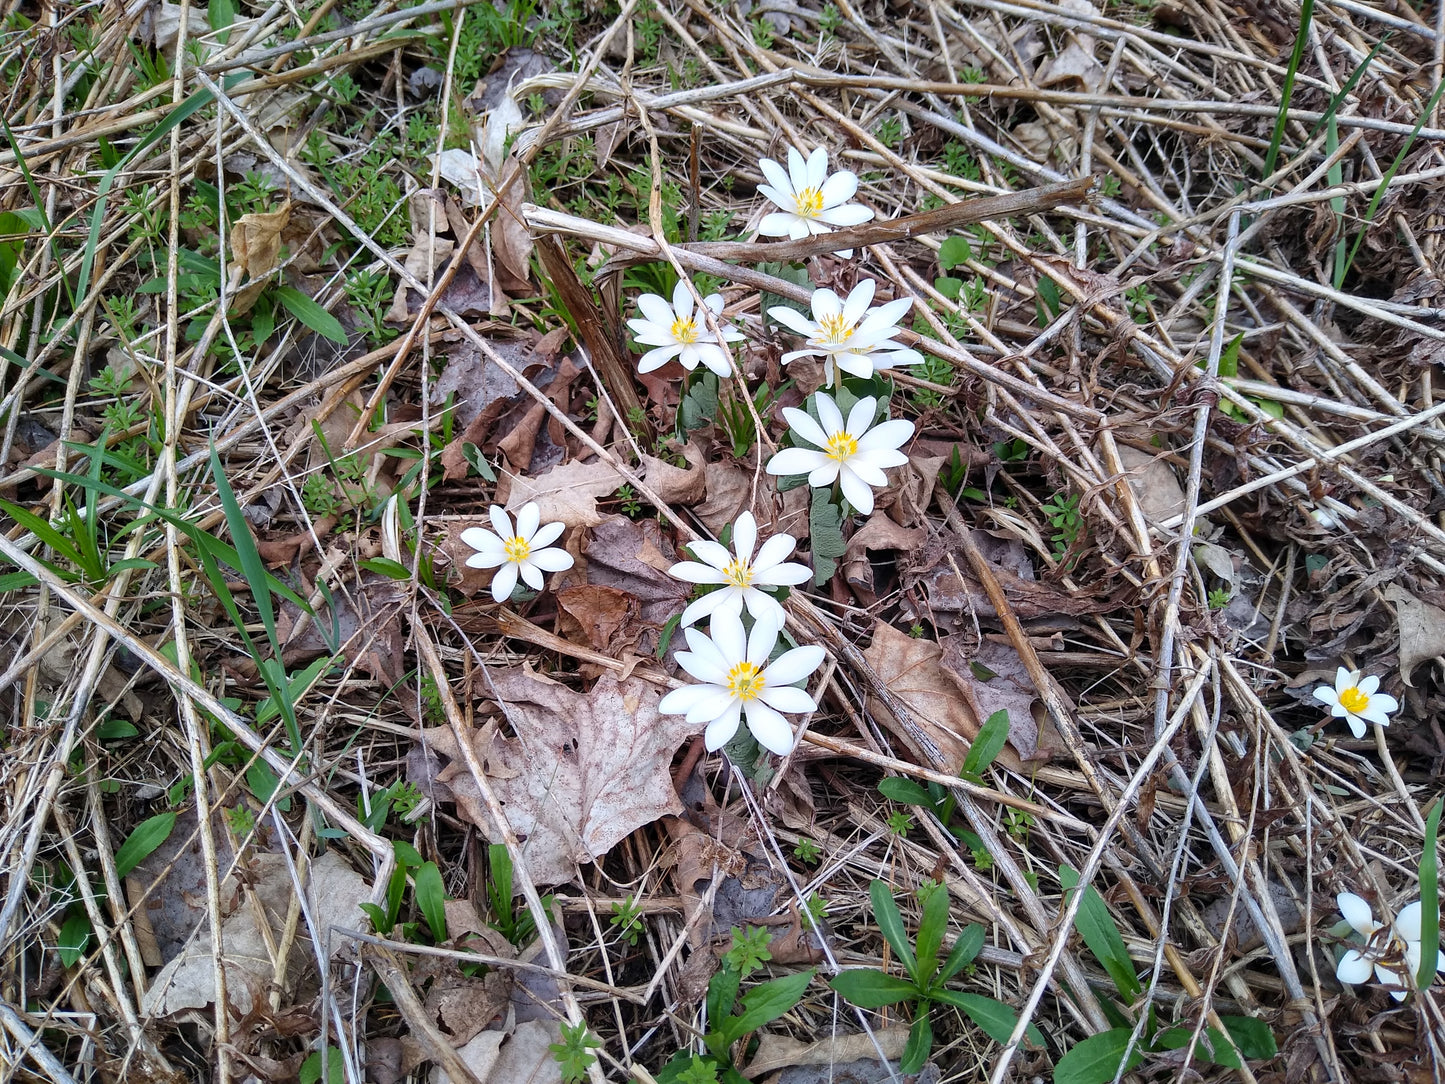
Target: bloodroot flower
x,y
521,553
1392,953
811,201
1355,700
848,335
735,680
679,331
854,455
741,573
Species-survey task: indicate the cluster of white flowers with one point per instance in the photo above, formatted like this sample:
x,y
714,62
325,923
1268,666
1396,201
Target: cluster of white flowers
x,y
737,677
1391,952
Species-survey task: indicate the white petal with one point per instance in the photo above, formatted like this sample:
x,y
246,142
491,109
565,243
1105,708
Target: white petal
x,y
649,334
762,639
726,630
797,170
721,730
806,352
888,314
859,300
551,559
710,553
547,534
528,517
683,700
818,167
717,704
1357,913
826,303
868,472
532,575
1407,922
704,662
501,522
771,729
857,492
839,188
1384,703
791,461
490,559
852,362
800,228
890,435
483,540
1357,725
764,607
715,358
1373,713
1353,967
1327,695
745,536
849,214
1369,685
656,359
777,224
793,666
825,474
788,698
802,424
830,418
861,416
1345,679
695,572
777,177
774,552
793,320
729,598
657,310
504,582
682,302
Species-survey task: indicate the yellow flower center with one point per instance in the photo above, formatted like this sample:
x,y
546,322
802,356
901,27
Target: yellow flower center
x,y
835,329
684,331
809,203
1354,701
841,445
518,549
745,681
738,574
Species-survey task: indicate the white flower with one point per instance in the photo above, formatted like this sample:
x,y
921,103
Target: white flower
x,y
853,454
848,334
735,679
741,572
677,331
811,201
1391,952
523,553
1356,701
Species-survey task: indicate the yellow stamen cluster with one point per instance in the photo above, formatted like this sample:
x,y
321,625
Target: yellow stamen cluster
x,y
1354,701
809,203
738,574
517,549
835,329
745,681
684,331
841,445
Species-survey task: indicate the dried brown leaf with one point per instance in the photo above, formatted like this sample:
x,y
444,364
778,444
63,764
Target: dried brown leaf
x,y
567,493
1422,630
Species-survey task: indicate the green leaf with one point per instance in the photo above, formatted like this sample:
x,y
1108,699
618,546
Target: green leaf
x,y
948,286
311,314
1229,358
995,1018
1095,1060
264,783
252,567
477,461
431,897
310,1072
766,1002
407,855
1212,1046
968,945
870,989
986,746
954,251
722,992
74,936
901,789
221,14
147,836
115,730
45,531
825,529
1101,935
930,934
920,1042
384,566
1429,901
1252,1036
380,922
885,913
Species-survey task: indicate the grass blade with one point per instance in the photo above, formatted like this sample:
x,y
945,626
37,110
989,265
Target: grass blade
x,y
1286,90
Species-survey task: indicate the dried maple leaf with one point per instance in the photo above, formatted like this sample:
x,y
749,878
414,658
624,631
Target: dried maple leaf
x,y
584,771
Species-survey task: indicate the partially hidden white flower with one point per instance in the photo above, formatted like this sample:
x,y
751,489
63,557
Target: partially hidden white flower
x,y
523,552
854,454
811,201
1355,700
680,331
735,680
848,334
1392,953
741,573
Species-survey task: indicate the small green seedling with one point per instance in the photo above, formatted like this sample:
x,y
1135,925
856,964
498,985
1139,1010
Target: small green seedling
x,y
727,1023
627,918
807,851
574,1053
927,979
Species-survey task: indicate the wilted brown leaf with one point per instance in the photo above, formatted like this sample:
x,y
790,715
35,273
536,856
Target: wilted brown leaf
x,y
511,240
568,492
584,771
495,1057
605,618
256,241
1010,689
1422,630
677,485
633,556
912,670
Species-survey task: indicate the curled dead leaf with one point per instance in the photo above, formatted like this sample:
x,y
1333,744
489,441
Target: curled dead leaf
x,y
567,493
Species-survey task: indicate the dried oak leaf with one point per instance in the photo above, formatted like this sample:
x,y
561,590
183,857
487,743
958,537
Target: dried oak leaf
x,y
605,618
584,771
568,492
1422,630
633,556
913,671
1010,689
